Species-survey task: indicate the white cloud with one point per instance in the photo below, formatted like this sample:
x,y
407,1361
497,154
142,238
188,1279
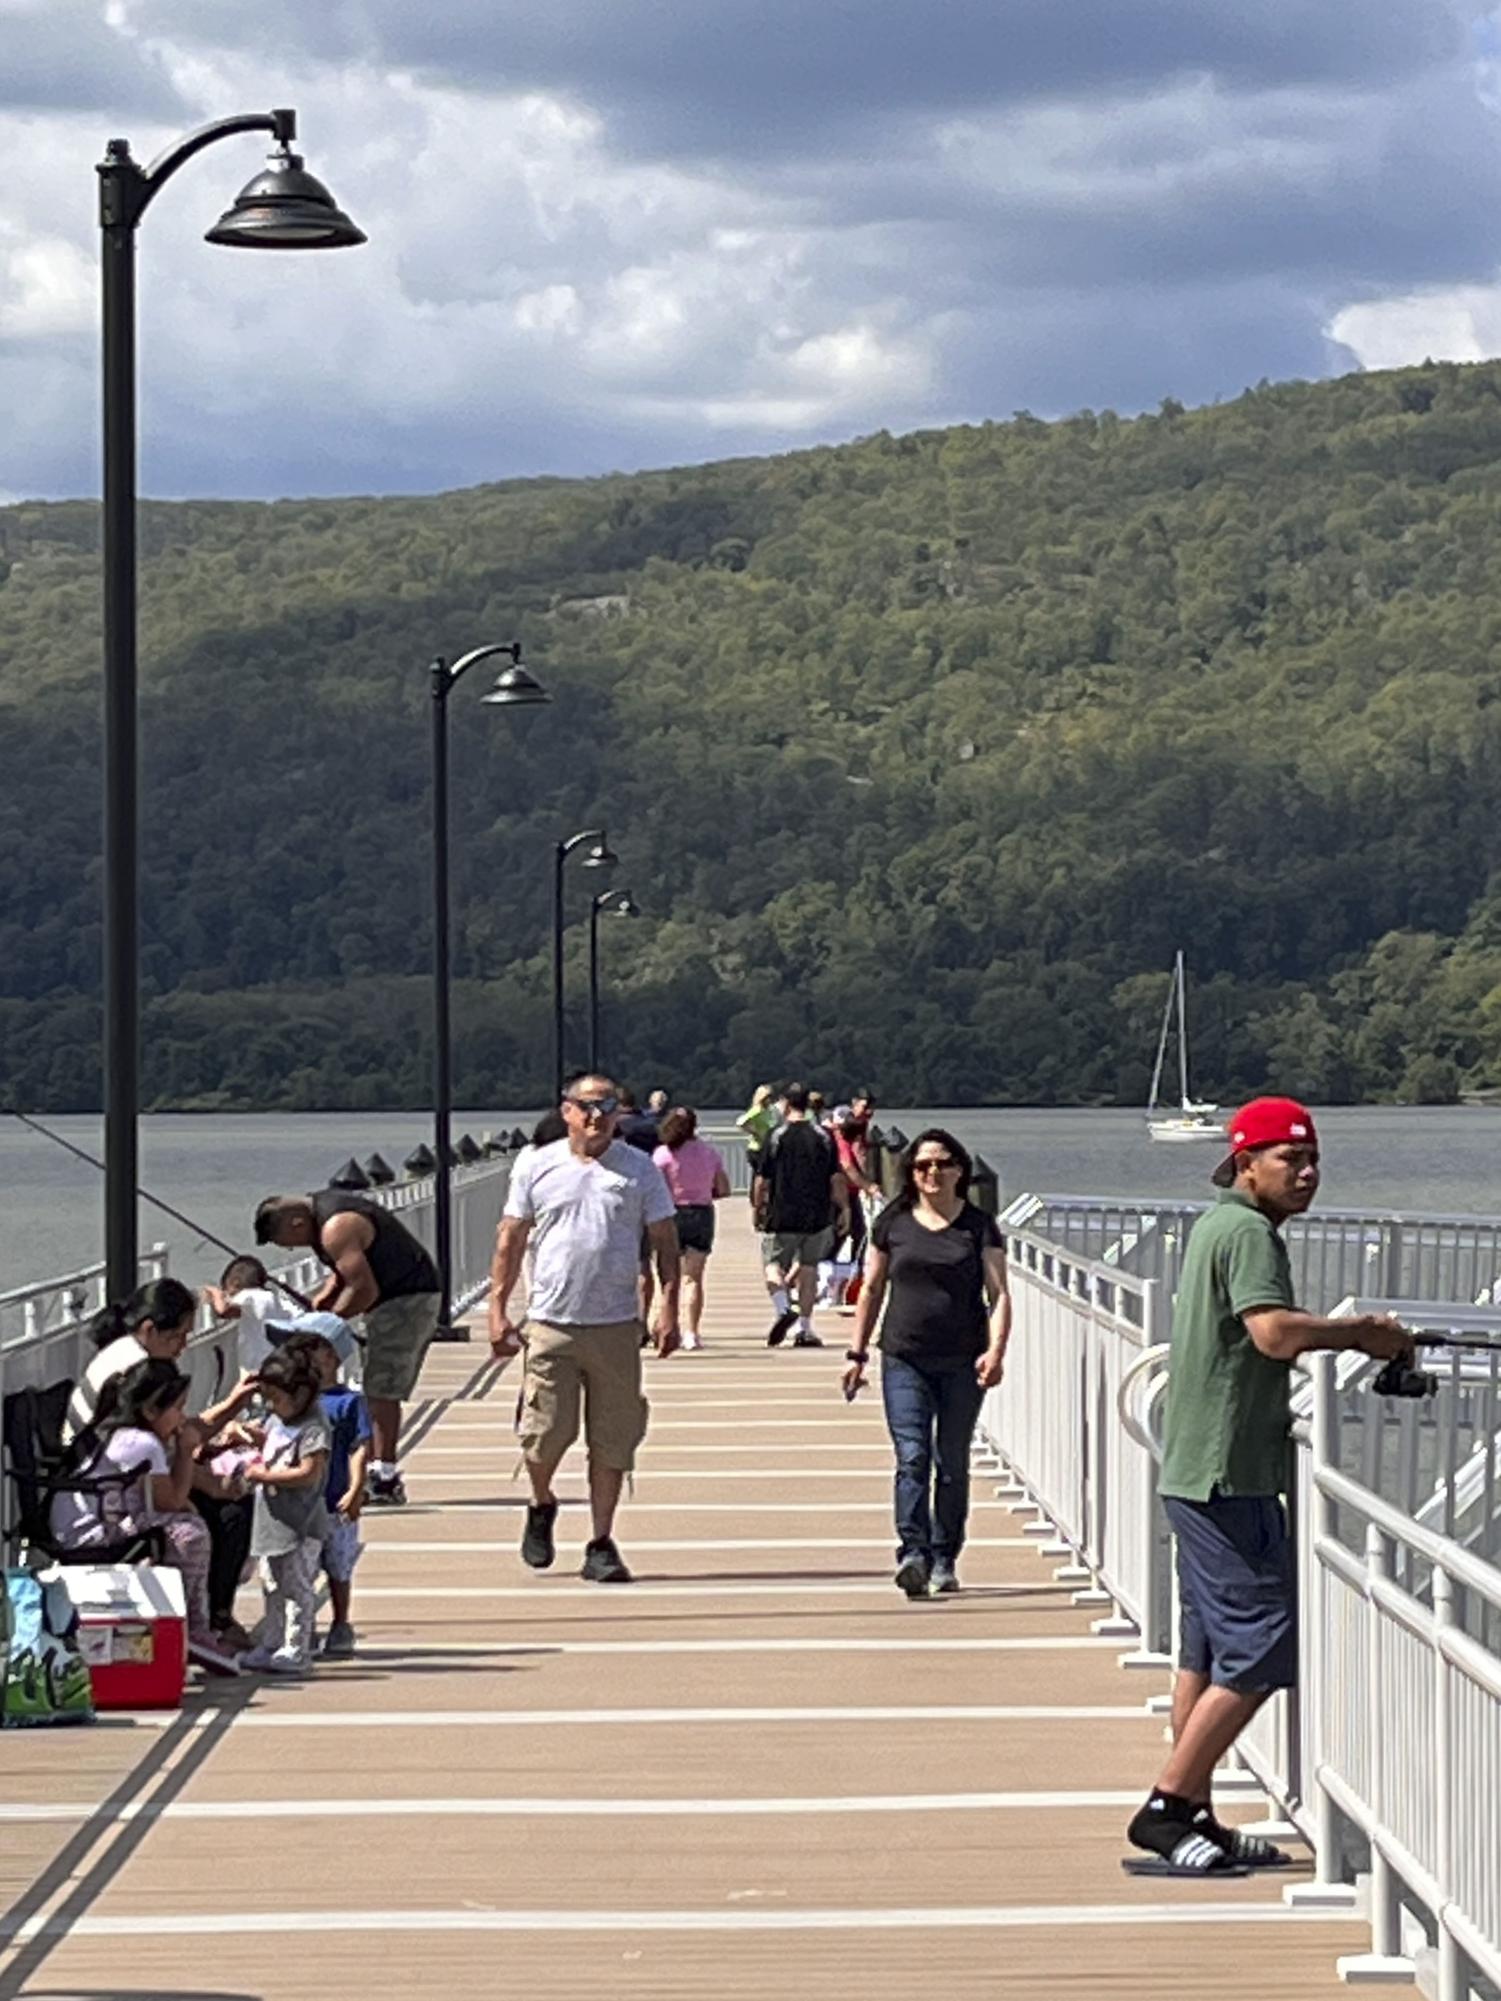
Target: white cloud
x,y
543,290
1459,325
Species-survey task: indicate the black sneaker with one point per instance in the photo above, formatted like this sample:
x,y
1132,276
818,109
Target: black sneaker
x,y
806,1338
602,1563
386,1490
779,1328
537,1548
912,1576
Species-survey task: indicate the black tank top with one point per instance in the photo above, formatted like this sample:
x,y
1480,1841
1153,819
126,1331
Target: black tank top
x,y
397,1260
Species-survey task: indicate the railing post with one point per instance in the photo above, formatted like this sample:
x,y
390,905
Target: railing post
x,y
1451,1985
1385,1901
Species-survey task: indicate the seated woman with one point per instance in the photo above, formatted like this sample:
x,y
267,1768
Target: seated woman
x,y
155,1324
141,1429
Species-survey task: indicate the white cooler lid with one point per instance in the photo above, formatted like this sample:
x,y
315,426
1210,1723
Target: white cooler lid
x,y
119,1590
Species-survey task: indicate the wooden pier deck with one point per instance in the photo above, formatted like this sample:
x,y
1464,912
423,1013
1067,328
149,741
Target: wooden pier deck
x,y
758,1770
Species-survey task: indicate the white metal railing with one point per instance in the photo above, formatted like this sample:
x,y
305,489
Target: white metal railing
x,y
1334,1252
733,1150
53,1352
1388,1755
1082,1328
49,1303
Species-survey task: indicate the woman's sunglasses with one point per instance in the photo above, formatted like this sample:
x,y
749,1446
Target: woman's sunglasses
x,y
934,1164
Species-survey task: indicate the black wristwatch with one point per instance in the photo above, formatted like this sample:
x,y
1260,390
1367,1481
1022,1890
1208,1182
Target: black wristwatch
x,y
851,1356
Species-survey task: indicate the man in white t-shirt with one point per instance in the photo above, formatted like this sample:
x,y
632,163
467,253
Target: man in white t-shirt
x,y
583,1204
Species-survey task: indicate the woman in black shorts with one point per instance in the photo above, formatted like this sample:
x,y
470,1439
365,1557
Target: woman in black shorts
x,y
943,1344
696,1175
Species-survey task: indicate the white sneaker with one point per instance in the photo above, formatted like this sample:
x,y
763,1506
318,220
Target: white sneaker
x,y
261,1660
693,1344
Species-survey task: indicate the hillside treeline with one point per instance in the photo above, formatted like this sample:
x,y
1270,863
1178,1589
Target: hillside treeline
x,y
923,755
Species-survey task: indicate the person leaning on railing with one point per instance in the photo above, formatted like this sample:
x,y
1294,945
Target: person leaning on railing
x,y
1236,1333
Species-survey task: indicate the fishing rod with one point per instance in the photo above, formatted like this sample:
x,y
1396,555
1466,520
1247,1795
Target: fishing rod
x,y
91,1160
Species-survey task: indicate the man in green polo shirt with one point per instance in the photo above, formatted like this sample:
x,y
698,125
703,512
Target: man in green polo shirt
x,y
1236,1334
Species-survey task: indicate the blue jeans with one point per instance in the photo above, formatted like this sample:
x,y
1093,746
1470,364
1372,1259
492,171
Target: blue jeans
x,y
931,1415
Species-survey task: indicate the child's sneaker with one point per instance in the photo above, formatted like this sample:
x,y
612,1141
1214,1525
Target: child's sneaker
x,y
339,1642
261,1660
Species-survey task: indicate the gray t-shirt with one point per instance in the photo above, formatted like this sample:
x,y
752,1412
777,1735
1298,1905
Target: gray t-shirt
x,y
286,1516
587,1219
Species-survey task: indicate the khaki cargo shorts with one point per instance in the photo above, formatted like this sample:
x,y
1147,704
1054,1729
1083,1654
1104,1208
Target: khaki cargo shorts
x,y
397,1333
596,1366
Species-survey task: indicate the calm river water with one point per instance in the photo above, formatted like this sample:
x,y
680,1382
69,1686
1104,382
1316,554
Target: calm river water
x,y
215,1168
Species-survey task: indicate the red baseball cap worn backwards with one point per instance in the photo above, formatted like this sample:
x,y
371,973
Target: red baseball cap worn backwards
x,y
1265,1122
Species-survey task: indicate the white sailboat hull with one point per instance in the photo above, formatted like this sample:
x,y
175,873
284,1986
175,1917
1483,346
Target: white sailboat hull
x,y
1173,1132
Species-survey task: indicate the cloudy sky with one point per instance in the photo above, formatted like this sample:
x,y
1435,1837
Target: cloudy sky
x,y
614,233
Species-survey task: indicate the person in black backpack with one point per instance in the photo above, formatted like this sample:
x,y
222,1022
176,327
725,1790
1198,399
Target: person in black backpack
x,y
800,1199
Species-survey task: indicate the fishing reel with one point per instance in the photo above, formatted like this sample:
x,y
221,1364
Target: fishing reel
x,y
1404,1379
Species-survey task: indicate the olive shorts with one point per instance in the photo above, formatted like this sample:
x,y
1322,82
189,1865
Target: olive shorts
x,y
397,1333
596,1367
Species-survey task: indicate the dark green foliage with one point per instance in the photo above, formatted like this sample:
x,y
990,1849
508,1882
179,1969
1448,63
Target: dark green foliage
x,y
924,755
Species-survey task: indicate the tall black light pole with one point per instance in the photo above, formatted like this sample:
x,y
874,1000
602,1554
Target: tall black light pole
x,y
609,903
600,855
514,689
283,208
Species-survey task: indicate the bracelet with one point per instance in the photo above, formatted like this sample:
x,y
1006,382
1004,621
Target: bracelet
x,y
861,1356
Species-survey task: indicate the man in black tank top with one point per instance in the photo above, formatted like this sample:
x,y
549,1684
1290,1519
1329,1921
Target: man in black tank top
x,y
378,1271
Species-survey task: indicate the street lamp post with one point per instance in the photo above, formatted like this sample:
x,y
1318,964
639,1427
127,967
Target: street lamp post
x,y
283,208
609,903
600,855
514,689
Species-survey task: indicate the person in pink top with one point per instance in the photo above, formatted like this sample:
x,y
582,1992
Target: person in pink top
x,y
695,1174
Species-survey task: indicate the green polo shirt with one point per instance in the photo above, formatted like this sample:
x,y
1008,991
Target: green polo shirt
x,y
1227,1418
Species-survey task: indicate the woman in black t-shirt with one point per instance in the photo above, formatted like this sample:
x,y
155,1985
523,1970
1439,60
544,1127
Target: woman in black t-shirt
x,y
943,1344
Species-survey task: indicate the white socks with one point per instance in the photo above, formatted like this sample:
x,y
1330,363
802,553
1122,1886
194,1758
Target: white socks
x,y
780,1300
383,1469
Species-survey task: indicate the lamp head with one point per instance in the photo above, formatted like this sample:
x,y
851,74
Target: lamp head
x,y
617,903
515,688
284,208
601,855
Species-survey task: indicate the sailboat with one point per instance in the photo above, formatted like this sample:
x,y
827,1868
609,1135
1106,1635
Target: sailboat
x,y
1194,1119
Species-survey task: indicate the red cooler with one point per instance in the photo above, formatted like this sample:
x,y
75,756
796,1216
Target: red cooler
x,y
132,1632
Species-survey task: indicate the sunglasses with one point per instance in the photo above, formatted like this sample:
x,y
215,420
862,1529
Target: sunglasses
x,y
934,1164
595,1107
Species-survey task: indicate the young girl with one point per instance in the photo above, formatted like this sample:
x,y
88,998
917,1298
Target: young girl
x,y
291,1520
141,1429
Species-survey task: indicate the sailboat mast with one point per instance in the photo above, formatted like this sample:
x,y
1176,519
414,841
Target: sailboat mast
x,y
1182,981
1167,1021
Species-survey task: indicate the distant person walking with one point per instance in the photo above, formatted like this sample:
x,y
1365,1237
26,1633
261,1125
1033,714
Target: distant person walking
x,y
381,1273
943,1345
1236,1334
851,1131
584,1202
758,1122
800,1197
695,1172
637,1128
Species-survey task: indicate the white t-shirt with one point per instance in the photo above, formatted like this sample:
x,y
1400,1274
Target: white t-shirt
x,y
587,1219
79,1520
258,1304
111,1361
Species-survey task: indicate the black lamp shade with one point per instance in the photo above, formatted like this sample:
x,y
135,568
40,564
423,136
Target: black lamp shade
x,y
515,688
285,208
601,855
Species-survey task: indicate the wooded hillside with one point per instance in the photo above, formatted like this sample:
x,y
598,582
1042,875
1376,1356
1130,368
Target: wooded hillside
x,y
923,755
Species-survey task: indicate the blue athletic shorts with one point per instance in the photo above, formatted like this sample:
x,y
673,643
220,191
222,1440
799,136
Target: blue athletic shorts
x,y
1237,1589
